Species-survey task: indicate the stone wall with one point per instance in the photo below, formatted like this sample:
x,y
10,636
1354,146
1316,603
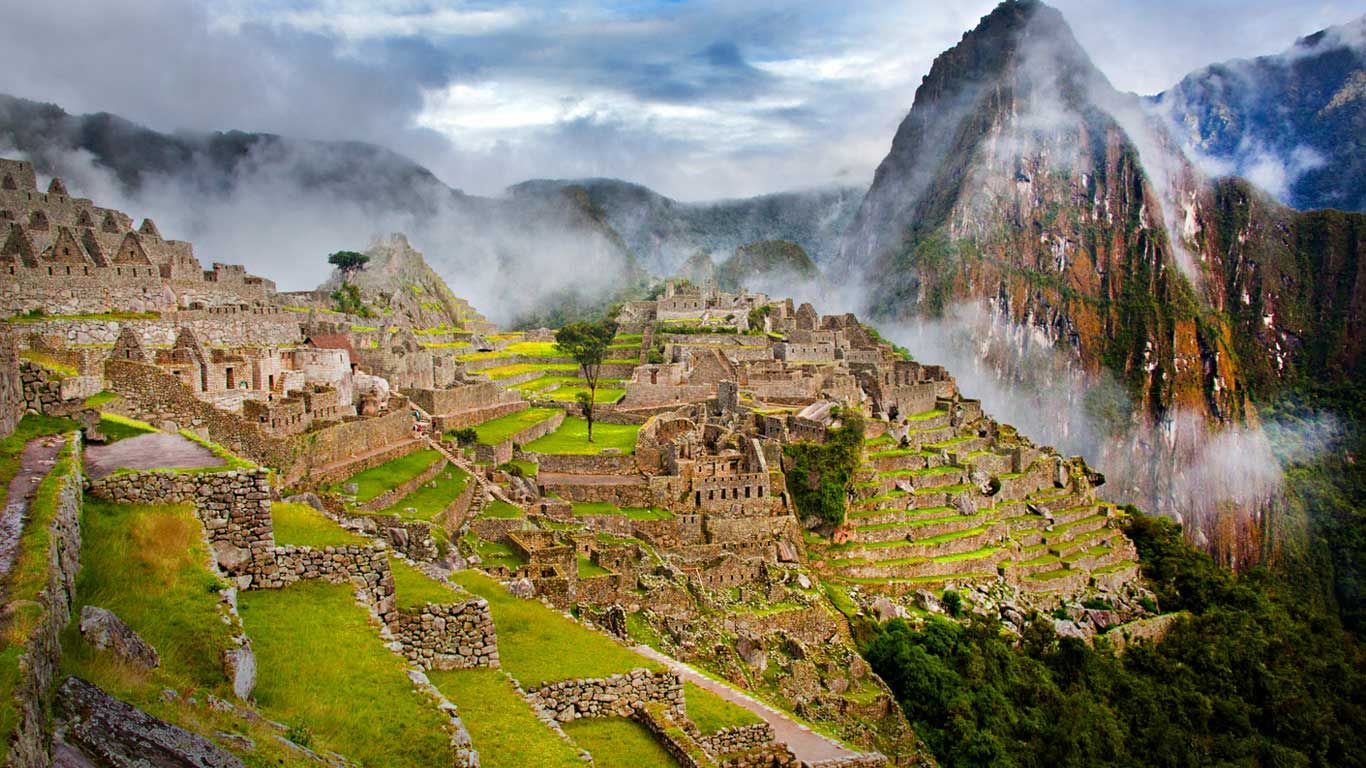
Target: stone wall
x,y
458,636
253,328
42,654
53,394
740,738
11,385
336,444
615,696
619,464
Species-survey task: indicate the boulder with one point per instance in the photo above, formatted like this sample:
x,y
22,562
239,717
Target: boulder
x,y
112,733
309,498
239,664
887,610
231,558
107,632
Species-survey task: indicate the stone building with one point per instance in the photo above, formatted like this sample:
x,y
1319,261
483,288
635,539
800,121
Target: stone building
x,y
66,255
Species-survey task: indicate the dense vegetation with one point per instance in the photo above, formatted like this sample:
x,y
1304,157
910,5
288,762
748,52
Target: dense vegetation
x,y
819,474
1251,676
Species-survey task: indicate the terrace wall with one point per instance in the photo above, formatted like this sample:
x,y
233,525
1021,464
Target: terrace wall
x,y
255,327
11,384
615,696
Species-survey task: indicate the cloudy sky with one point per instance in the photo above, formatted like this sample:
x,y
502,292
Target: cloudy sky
x,y
697,99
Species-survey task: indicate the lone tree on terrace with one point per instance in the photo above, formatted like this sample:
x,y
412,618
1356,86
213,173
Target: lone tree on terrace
x,y
587,343
348,263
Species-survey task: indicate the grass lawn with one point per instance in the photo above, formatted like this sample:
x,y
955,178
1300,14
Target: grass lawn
x,y
518,349
376,480
323,669
304,526
528,631
517,369
499,429
431,498
493,553
588,569
607,508
116,427
49,362
607,395
414,589
572,438
148,564
711,712
102,397
500,508
529,468
616,742
501,724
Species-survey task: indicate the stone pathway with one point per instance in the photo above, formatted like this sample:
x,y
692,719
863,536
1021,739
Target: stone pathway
x,y
809,747
154,450
34,464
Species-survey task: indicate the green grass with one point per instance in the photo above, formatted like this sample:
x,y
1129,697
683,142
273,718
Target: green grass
x,y
517,369
517,349
389,475
414,589
431,498
711,713
527,631
607,395
103,397
588,569
116,427
30,427
497,430
616,742
572,438
39,317
49,362
304,526
502,509
148,564
502,726
323,667
493,553
926,415
584,508
529,468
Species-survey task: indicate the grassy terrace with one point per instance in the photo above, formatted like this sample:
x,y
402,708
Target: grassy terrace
x,y
527,630
572,438
501,724
503,427
431,498
303,526
588,569
502,509
148,565
616,742
711,713
492,553
926,472
376,480
49,362
116,427
517,349
517,369
39,317
585,508
323,668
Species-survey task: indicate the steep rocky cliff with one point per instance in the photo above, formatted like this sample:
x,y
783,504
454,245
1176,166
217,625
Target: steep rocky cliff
x,y
1023,181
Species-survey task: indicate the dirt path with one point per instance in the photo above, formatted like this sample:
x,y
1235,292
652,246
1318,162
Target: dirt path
x,y
154,450
34,464
809,747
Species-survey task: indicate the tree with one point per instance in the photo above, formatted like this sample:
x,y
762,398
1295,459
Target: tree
x,y
587,343
348,263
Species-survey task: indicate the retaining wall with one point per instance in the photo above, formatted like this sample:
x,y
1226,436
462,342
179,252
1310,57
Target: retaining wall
x,y
42,654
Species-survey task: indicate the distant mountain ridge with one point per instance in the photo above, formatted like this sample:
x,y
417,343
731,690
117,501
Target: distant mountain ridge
x,y
1294,122
664,232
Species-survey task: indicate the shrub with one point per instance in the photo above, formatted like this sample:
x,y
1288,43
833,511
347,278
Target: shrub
x,y
464,436
512,469
822,473
953,602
